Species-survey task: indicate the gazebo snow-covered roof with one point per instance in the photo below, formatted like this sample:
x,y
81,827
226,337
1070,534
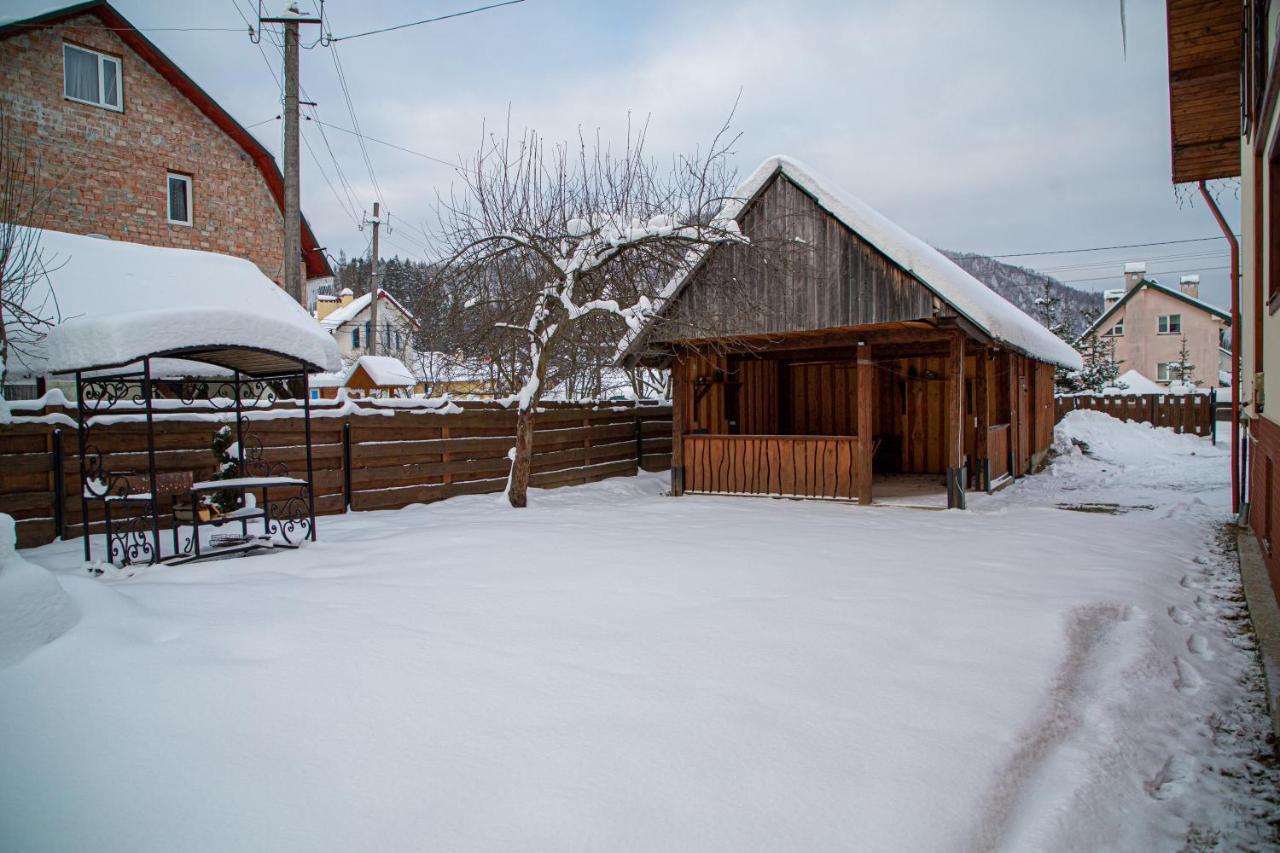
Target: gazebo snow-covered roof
x,y
981,306
116,303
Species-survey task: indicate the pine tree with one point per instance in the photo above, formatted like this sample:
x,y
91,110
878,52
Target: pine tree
x,y
1183,370
1100,369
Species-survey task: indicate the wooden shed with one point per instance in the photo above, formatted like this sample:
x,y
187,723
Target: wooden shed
x,y
838,356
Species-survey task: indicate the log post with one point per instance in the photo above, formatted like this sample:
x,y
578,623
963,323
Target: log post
x,y
955,424
677,425
1014,426
982,419
866,430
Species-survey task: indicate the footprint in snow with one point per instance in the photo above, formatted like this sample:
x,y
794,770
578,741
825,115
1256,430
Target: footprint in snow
x,y
1188,583
1198,645
1177,614
1189,679
1172,778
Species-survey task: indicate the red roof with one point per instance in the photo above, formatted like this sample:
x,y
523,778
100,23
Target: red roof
x,y
317,263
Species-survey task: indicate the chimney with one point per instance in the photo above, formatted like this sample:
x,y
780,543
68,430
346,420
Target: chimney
x,y
1134,273
345,296
1111,296
1190,286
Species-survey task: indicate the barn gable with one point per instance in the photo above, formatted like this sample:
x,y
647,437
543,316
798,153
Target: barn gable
x,y
804,270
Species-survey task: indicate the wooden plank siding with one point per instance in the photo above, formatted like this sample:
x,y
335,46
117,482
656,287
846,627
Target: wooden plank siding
x,y
781,466
804,270
1205,50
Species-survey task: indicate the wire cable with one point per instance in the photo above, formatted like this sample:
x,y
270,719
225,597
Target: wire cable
x,y
425,21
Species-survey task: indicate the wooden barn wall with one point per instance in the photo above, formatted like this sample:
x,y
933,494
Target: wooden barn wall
x,y
758,396
803,270
822,398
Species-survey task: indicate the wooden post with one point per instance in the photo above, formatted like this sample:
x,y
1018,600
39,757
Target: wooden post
x,y
981,452
677,425
955,424
1014,426
866,430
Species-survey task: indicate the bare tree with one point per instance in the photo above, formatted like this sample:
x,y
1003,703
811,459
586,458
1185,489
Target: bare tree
x,y
28,308
576,232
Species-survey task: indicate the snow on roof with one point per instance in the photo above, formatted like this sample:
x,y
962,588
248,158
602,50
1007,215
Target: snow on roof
x,y
347,313
346,291
116,302
385,370
1136,266
1190,279
979,304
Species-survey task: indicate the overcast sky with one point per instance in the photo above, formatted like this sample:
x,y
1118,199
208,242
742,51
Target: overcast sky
x,y
995,127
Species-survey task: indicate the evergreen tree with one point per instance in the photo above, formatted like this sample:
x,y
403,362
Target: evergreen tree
x,y
1183,370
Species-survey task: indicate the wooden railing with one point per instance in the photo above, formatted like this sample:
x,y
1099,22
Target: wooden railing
x,y
782,465
998,450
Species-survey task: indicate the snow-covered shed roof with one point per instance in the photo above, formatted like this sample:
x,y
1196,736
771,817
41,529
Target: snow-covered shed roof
x,y
347,313
385,370
115,303
977,303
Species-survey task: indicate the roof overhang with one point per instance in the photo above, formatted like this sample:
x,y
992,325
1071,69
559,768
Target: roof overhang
x,y
1205,59
317,264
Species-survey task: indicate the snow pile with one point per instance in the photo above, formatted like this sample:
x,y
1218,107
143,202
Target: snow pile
x,y
386,371
34,609
1133,382
117,302
978,303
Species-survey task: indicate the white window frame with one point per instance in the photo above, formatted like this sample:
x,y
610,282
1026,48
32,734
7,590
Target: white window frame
x,y
101,103
1165,371
1116,330
168,199
1164,324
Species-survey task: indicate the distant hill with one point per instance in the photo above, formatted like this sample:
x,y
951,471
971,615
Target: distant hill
x,y
1023,287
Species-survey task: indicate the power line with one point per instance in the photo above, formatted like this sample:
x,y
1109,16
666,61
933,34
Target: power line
x,y
1105,248
391,145
355,122
1154,272
425,21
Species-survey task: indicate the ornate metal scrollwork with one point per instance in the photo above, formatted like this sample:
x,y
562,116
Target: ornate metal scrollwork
x,y
129,538
290,517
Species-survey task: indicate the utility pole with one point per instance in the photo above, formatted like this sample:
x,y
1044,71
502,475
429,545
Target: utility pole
x,y
374,287
290,19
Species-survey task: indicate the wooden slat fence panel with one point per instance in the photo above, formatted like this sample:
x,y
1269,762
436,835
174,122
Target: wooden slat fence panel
x,y
998,450
778,465
396,457
1183,413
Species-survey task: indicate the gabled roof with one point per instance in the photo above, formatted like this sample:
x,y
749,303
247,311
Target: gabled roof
x,y
384,371
348,312
976,302
1155,285
317,264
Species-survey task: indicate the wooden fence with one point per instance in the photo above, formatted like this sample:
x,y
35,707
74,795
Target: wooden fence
x,y
367,454
780,465
1190,413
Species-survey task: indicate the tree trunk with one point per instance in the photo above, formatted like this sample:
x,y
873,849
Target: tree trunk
x,y
518,493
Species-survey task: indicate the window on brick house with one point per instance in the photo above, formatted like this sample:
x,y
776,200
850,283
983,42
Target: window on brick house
x,y
1169,324
91,78
179,199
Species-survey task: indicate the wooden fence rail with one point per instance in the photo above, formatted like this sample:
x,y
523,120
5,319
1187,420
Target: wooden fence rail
x,y
367,454
1189,413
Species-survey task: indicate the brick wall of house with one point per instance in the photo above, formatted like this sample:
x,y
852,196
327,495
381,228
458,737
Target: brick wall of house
x,y
111,167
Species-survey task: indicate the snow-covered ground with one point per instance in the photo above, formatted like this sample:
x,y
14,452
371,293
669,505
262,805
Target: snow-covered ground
x,y
1066,667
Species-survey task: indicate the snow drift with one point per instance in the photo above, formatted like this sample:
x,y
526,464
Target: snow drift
x,y
34,609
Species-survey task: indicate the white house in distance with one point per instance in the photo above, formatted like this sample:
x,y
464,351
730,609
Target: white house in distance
x,y
346,316
1148,323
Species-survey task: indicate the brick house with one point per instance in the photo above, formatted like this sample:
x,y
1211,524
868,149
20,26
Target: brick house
x,y
1148,323
137,150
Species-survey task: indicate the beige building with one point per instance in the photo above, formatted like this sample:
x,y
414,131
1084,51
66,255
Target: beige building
x,y
1150,324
